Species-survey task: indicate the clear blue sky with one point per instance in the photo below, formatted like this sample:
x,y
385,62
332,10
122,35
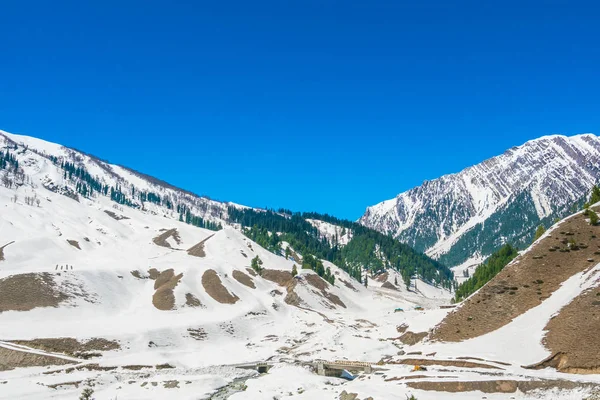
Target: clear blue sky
x,y
320,105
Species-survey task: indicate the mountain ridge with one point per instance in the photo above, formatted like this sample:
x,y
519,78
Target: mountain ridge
x,y
436,215
86,177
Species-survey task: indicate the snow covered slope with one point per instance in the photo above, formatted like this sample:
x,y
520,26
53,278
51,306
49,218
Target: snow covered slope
x,y
470,214
335,235
44,164
104,285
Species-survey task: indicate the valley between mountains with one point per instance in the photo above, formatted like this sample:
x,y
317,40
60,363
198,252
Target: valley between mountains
x,y
116,282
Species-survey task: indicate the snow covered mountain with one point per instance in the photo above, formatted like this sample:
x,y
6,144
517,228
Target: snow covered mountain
x,y
55,167
112,281
109,276
34,166
462,218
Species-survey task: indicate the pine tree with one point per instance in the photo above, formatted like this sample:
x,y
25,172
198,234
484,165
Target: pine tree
x,y
593,217
294,270
539,232
86,394
257,265
486,271
595,197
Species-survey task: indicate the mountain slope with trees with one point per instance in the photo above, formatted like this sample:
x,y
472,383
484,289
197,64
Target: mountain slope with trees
x,y
367,250
471,214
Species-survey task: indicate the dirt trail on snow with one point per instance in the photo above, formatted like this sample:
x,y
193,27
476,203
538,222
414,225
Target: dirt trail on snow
x,y
11,359
70,346
197,250
2,250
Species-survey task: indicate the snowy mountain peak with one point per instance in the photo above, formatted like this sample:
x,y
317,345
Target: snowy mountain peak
x,y
55,166
471,213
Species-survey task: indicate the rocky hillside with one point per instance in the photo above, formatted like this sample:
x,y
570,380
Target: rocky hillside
x,y
552,287
468,215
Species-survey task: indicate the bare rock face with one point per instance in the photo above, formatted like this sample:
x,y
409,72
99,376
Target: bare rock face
x,y
476,211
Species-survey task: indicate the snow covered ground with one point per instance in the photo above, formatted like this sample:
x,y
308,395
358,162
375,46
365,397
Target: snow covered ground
x,y
99,259
107,301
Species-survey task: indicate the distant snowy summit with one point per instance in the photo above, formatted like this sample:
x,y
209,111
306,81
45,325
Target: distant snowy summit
x,y
463,217
58,167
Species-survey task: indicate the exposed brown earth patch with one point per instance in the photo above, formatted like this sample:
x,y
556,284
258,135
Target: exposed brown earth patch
x,y
499,386
444,363
412,377
412,338
215,289
74,243
25,292
320,283
367,322
164,298
137,274
87,367
282,278
135,367
251,271
572,336
192,301
197,250
524,283
161,240
115,216
164,277
153,273
292,297
316,281
481,359
382,277
387,285
71,346
2,250
10,359
295,255
334,299
348,285
243,279
164,366
64,384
